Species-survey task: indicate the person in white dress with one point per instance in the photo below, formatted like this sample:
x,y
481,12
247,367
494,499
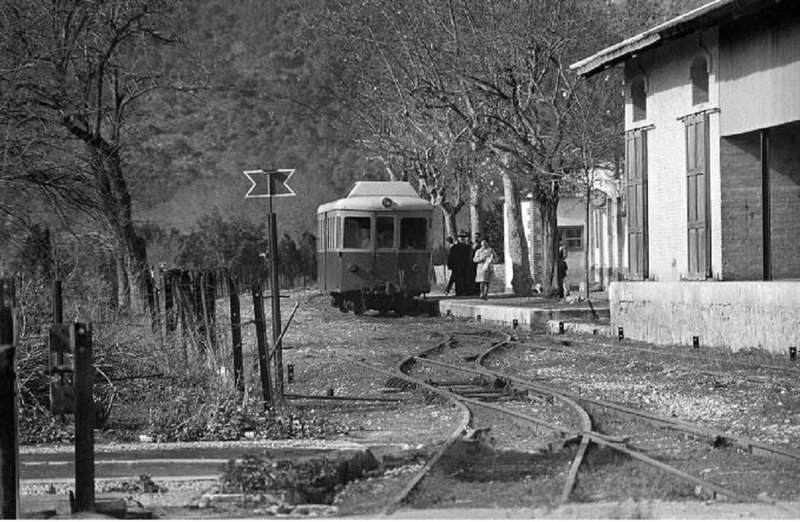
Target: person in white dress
x,y
484,257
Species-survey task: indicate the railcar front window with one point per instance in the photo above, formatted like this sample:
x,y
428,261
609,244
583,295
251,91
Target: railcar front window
x,y
414,233
357,232
384,228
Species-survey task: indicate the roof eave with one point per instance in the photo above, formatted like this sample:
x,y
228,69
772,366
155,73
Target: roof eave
x,y
713,13
614,55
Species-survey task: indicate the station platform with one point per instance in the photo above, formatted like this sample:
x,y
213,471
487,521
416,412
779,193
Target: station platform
x,y
531,313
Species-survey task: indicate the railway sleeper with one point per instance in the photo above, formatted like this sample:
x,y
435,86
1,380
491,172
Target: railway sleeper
x,y
470,382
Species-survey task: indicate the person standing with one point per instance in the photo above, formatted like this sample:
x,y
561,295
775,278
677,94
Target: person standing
x,y
461,254
476,244
451,264
561,273
484,259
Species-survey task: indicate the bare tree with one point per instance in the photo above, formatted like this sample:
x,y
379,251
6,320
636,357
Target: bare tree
x,y
77,69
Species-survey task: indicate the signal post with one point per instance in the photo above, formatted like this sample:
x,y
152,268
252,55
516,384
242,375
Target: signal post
x,y
269,184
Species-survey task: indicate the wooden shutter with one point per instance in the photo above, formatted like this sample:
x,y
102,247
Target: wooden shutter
x,y
636,183
698,222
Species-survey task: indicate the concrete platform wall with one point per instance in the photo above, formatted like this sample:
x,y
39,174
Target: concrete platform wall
x,y
735,315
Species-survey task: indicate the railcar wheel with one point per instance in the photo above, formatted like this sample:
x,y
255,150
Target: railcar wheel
x,y
358,306
338,302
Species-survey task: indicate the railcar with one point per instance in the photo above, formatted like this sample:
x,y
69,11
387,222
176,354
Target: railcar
x,y
373,250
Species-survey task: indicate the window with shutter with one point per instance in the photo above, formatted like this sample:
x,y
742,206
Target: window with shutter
x,y
636,183
698,220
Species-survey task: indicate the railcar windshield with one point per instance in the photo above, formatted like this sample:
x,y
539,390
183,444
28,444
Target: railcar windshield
x,y
357,232
384,228
414,233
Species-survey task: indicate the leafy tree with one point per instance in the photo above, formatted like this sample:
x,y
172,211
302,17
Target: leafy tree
x,y
308,256
231,243
35,257
289,263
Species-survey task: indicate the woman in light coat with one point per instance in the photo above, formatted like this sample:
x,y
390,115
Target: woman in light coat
x,y
484,257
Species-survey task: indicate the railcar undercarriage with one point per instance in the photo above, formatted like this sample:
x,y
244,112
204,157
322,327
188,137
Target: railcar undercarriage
x,y
371,299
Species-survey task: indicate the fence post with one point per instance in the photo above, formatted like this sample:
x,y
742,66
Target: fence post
x,y
236,334
58,302
261,339
81,336
9,448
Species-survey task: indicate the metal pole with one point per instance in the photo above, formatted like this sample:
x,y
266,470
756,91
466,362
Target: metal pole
x,y
261,327
9,440
84,417
766,210
276,296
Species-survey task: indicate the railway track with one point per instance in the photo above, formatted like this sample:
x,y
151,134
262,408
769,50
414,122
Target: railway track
x,y
567,446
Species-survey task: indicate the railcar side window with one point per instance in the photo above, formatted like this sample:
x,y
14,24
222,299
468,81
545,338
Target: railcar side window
x,y
356,232
384,228
414,233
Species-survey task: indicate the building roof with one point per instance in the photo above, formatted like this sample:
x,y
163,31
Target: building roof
x,y
709,15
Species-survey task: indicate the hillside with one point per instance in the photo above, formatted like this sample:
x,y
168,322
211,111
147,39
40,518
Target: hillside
x,y
262,107
197,145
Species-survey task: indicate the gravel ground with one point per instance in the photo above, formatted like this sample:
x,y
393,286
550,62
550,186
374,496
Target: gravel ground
x,y
730,395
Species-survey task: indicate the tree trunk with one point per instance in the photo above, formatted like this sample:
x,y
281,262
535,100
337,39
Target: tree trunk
x,y
521,281
588,236
548,210
450,226
115,202
475,204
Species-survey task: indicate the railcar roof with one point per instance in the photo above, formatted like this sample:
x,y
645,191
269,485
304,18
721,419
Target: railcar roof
x,y
369,195
382,188
403,203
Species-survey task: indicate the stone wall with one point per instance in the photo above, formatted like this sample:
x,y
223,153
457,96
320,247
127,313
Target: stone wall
x,y
735,315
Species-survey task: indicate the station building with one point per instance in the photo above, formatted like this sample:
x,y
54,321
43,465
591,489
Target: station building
x,y
603,231
712,176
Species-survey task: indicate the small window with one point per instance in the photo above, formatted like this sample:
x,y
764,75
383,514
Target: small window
x,y
321,234
414,233
699,75
357,232
384,228
639,99
571,237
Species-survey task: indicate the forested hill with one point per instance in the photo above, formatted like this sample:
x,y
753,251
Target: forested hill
x,y
261,106
245,56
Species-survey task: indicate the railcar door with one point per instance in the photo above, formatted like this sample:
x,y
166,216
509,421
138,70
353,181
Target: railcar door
x,y
414,258
322,251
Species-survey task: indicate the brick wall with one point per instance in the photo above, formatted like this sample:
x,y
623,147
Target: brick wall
x,y
741,207
742,243
785,201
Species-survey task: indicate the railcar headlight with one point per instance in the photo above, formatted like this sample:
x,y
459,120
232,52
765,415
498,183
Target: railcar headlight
x,y
352,267
387,202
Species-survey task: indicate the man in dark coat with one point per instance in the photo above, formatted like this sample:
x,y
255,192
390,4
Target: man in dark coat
x,y
460,260
451,262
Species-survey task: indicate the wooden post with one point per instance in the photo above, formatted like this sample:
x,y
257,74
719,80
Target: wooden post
x,y
9,448
81,336
236,335
261,339
170,315
58,303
